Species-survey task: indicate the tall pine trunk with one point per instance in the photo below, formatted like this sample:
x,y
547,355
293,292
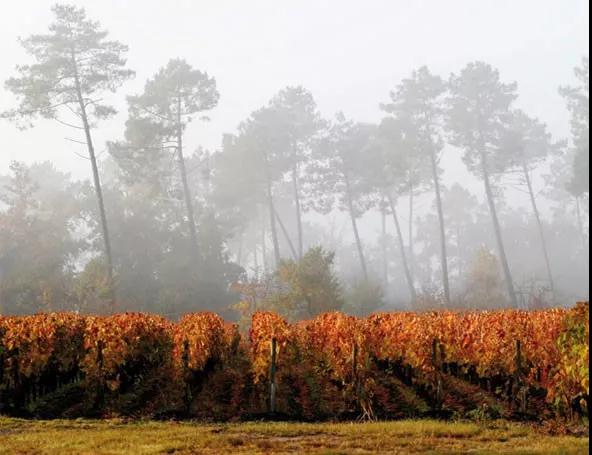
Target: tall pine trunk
x,y
186,191
272,218
540,229
286,235
497,229
410,234
443,254
255,260
239,254
263,246
459,252
580,223
97,185
412,293
585,249
298,210
274,235
385,277
350,206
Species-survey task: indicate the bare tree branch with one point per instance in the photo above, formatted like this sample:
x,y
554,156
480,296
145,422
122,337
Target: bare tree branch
x,y
74,140
68,124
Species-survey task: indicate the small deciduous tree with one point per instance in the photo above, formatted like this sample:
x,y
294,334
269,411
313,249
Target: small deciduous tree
x,y
363,298
298,289
484,282
311,283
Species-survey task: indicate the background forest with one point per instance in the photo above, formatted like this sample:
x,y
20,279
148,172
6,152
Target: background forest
x,y
273,218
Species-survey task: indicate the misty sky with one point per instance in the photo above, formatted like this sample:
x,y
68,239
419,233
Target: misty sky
x,y
348,53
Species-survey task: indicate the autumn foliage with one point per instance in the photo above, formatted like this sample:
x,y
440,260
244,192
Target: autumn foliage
x,y
38,346
332,366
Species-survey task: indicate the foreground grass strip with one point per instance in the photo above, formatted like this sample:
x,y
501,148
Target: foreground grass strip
x,y
407,436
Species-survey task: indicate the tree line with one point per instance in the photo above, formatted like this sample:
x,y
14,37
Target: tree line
x,y
168,230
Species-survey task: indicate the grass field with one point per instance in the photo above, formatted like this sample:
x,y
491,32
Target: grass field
x,y
425,436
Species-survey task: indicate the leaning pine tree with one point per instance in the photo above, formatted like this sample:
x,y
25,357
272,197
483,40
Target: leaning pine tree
x,y
73,64
339,174
388,161
479,110
169,102
417,103
527,144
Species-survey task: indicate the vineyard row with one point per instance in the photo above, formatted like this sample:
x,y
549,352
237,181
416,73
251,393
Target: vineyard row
x,y
505,363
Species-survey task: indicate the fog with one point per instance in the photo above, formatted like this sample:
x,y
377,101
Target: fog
x,y
265,152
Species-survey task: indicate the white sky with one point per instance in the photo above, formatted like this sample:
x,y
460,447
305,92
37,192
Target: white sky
x,y
348,53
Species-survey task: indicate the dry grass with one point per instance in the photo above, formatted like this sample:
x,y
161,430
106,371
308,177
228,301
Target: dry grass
x,y
422,436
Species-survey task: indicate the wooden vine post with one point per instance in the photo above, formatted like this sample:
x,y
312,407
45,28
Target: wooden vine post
x,y
354,364
443,366
272,372
18,396
522,393
101,386
2,398
186,376
437,363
